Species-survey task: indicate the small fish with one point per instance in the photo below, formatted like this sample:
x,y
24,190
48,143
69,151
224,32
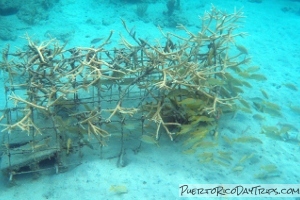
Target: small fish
x,y
258,117
131,126
69,145
96,40
238,168
189,151
219,162
214,82
178,92
295,109
192,103
269,168
242,49
204,144
258,77
271,105
292,127
246,110
227,140
267,175
246,157
216,135
118,189
244,74
185,129
291,86
246,84
148,139
273,129
245,103
206,157
284,130
203,118
246,139
265,94
225,155
253,69
132,32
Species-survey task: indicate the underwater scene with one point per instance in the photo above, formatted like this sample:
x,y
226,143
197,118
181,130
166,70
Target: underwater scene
x,y
137,99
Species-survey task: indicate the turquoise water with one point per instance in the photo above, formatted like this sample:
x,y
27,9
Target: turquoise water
x,y
155,169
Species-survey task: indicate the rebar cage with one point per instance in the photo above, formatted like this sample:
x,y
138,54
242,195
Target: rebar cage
x,y
83,99
58,100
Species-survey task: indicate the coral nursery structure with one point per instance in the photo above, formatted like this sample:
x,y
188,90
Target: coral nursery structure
x,y
59,100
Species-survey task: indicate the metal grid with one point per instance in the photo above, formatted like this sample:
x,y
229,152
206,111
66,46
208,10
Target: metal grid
x,y
58,101
51,114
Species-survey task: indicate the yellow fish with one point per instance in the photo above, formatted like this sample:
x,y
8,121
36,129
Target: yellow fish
x,y
148,139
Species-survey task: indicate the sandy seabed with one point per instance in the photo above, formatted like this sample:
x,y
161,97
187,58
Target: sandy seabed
x,y
156,172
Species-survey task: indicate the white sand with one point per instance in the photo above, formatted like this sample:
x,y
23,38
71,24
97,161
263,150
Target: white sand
x,y
156,172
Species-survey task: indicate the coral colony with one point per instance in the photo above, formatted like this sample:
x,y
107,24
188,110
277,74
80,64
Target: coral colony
x,y
60,100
